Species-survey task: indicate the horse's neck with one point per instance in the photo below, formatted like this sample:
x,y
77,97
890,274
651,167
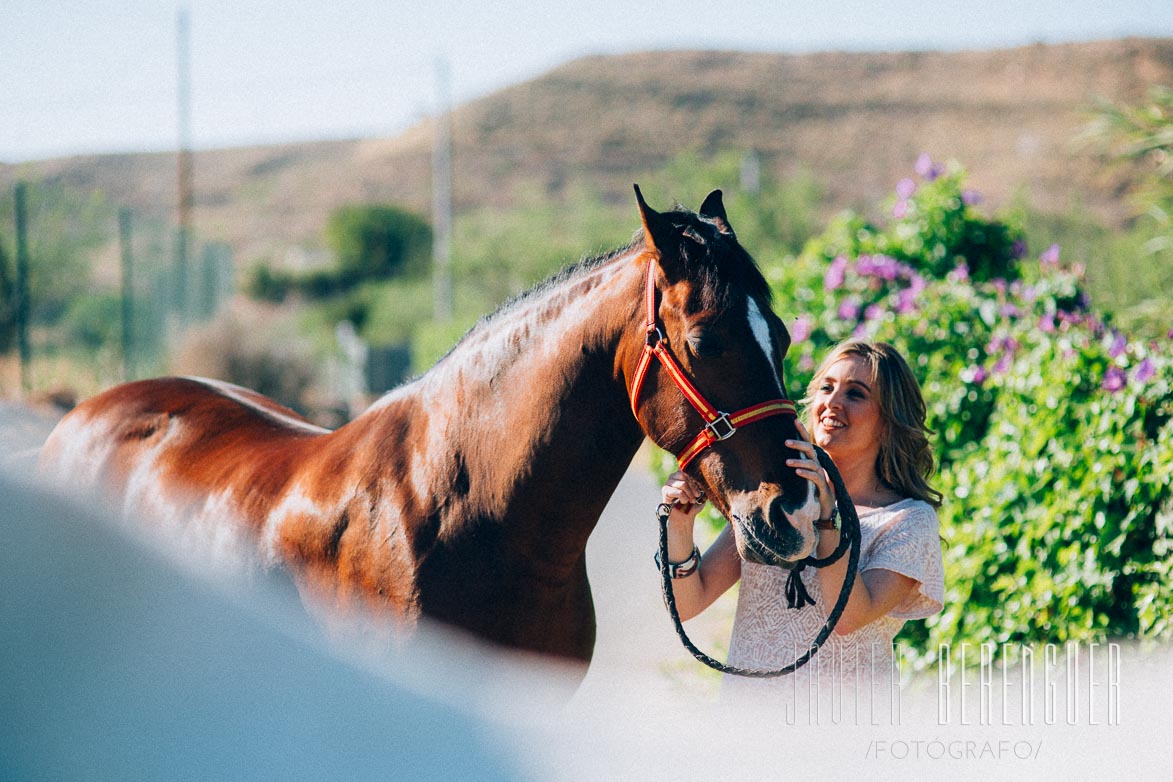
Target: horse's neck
x,y
529,404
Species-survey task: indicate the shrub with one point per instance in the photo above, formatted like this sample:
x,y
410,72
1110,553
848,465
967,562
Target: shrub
x,y
1053,428
377,242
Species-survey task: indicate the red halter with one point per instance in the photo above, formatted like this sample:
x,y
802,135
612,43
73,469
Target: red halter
x,y
718,425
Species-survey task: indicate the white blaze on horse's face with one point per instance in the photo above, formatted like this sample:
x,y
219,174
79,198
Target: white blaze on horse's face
x,y
761,332
800,540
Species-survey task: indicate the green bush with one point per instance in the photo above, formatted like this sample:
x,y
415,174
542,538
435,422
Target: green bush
x,y
1053,428
377,242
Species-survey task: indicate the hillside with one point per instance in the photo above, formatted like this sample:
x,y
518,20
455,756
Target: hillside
x,y
856,121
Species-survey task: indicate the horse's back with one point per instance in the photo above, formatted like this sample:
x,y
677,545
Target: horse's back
x,y
187,430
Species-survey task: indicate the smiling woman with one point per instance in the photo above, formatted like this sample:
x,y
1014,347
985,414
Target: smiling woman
x,y
864,408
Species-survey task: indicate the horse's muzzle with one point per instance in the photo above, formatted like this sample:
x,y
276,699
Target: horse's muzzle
x,y
776,535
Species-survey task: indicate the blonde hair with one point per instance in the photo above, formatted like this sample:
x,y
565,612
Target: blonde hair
x,y
905,461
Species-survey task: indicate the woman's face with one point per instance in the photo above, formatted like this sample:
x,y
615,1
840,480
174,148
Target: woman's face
x,y
846,410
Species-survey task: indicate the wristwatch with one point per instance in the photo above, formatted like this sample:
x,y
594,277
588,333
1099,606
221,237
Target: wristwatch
x,y
830,523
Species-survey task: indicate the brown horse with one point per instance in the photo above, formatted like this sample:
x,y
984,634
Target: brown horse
x,y
468,494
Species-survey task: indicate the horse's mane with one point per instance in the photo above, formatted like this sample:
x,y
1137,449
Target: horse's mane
x,y
566,274
715,280
557,279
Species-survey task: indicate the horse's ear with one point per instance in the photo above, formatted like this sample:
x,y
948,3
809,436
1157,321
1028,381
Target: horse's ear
x,y
656,226
714,209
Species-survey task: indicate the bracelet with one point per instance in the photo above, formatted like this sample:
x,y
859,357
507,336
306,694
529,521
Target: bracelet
x,y
830,523
681,569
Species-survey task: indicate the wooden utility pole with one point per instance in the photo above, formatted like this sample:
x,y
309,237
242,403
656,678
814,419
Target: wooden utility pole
x,y
184,178
124,238
442,200
22,288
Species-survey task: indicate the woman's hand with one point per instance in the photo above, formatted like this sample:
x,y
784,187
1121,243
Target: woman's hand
x,y
682,492
813,471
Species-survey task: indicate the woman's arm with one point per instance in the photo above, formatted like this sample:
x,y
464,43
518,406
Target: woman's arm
x,y
875,593
720,566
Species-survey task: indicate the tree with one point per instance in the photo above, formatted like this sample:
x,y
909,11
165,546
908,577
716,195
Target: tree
x,y
378,241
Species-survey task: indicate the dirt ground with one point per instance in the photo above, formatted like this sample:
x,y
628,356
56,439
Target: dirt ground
x,y
635,631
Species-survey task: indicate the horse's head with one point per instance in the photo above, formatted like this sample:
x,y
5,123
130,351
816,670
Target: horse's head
x,y
708,311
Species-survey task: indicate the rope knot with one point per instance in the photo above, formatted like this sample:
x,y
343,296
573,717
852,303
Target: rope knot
x,y
796,594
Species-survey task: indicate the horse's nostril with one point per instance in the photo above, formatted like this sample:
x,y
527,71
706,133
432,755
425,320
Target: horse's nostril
x,y
767,535
780,511
786,504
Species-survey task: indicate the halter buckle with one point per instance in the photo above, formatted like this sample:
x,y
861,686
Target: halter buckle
x,y
714,427
655,336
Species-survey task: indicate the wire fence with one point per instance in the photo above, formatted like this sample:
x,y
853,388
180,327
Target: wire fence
x,y
90,293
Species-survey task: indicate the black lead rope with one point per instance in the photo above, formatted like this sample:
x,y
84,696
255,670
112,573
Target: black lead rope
x,y
848,538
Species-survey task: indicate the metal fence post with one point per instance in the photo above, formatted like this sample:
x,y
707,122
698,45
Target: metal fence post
x,y
22,287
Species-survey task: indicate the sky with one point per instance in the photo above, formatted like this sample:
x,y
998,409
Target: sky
x,y
79,77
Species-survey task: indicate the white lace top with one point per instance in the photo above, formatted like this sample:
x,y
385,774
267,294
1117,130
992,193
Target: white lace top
x,y
902,537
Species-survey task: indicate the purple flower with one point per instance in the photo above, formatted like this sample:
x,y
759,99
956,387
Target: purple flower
x,y
806,363
925,167
835,273
971,197
1047,323
1002,346
1170,334
960,273
900,211
1119,345
1010,311
975,374
906,300
1114,379
801,330
1019,249
849,309
873,312
1144,371
905,188
887,268
881,266
861,332
1050,256
1003,365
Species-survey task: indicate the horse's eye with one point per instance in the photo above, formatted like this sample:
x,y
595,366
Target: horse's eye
x,y
703,344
